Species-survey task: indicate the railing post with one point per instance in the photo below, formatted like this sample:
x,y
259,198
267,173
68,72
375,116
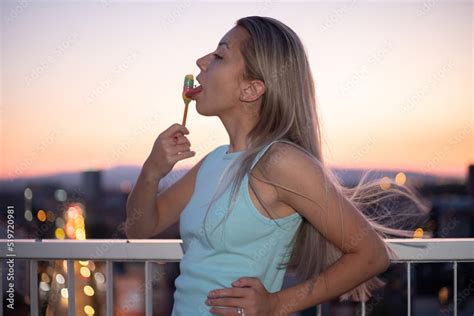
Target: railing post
x,y
319,310
71,291
34,288
1,286
148,289
408,288
455,298
109,299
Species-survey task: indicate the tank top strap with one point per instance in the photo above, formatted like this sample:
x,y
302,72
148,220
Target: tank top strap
x,y
261,152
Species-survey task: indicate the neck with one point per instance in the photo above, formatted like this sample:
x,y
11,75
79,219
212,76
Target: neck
x,y
238,131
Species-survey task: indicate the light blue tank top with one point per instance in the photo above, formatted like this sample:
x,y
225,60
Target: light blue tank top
x,y
254,244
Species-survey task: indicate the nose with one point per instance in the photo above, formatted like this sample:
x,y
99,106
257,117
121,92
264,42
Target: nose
x,y
203,62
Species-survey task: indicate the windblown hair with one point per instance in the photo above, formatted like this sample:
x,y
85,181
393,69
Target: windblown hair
x,y
274,54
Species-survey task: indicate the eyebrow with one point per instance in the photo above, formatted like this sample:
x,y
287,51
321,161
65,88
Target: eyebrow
x,y
224,43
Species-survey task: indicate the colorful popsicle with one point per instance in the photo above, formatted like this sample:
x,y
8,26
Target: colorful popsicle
x,y
187,87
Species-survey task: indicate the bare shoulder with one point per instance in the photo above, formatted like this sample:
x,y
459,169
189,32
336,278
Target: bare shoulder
x,y
292,169
285,159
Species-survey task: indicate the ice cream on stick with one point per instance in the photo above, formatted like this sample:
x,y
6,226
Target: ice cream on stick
x,y
193,92
188,86
189,93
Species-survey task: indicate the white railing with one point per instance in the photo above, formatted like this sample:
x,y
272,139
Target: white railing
x,y
169,250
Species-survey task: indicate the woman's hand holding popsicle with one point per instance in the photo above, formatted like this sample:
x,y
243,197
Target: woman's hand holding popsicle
x,y
169,147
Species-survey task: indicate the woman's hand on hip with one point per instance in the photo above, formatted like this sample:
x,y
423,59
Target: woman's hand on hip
x,y
249,293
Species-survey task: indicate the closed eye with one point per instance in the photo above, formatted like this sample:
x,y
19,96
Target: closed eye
x,y
217,56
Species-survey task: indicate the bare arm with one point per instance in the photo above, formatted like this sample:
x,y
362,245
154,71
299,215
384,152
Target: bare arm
x,y
142,203
162,210
362,259
141,214
170,203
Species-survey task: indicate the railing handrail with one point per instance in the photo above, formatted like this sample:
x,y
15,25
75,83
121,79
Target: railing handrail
x,y
170,250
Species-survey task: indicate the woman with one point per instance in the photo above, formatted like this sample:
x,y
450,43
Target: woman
x,y
283,202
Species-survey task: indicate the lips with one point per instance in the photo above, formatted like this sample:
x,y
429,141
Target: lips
x,y
192,93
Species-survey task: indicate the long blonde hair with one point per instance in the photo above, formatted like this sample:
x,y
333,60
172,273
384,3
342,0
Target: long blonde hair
x,y
274,54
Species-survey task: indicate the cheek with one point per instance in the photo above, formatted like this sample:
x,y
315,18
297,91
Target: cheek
x,y
223,86
224,92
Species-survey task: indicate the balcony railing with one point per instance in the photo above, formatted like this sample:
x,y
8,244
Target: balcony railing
x,y
409,251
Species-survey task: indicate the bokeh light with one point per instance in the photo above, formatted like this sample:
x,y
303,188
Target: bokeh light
x,y
85,272
41,215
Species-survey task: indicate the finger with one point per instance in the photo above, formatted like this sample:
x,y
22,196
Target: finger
x,y
248,281
178,149
180,139
223,311
229,292
183,155
176,136
173,129
225,301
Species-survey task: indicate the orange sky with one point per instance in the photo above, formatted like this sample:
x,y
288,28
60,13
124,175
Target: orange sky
x,y
91,85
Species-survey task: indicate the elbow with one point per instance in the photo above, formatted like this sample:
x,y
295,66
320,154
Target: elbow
x,y
385,263
136,234
132,233
381,261
127,228
381,256
378,259
129,233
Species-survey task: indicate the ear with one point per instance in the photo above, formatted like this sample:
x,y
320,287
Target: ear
x,y
251,90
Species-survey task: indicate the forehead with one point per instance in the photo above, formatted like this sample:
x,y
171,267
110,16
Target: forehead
x,y
233,38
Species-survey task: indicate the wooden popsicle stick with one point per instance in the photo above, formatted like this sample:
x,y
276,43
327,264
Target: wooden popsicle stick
x,y
185,113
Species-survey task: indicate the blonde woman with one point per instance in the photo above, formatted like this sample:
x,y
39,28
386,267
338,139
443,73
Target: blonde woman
x,y
265,203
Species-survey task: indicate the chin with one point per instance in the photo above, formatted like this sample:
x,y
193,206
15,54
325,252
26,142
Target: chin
x,y
201,109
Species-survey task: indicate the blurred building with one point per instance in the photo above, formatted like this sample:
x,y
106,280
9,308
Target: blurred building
x,y
91,184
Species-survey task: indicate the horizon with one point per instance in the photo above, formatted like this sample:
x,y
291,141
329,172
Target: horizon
x,y
185,167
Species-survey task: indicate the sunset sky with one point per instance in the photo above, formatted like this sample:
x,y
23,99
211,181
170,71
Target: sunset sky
x,y
91,84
